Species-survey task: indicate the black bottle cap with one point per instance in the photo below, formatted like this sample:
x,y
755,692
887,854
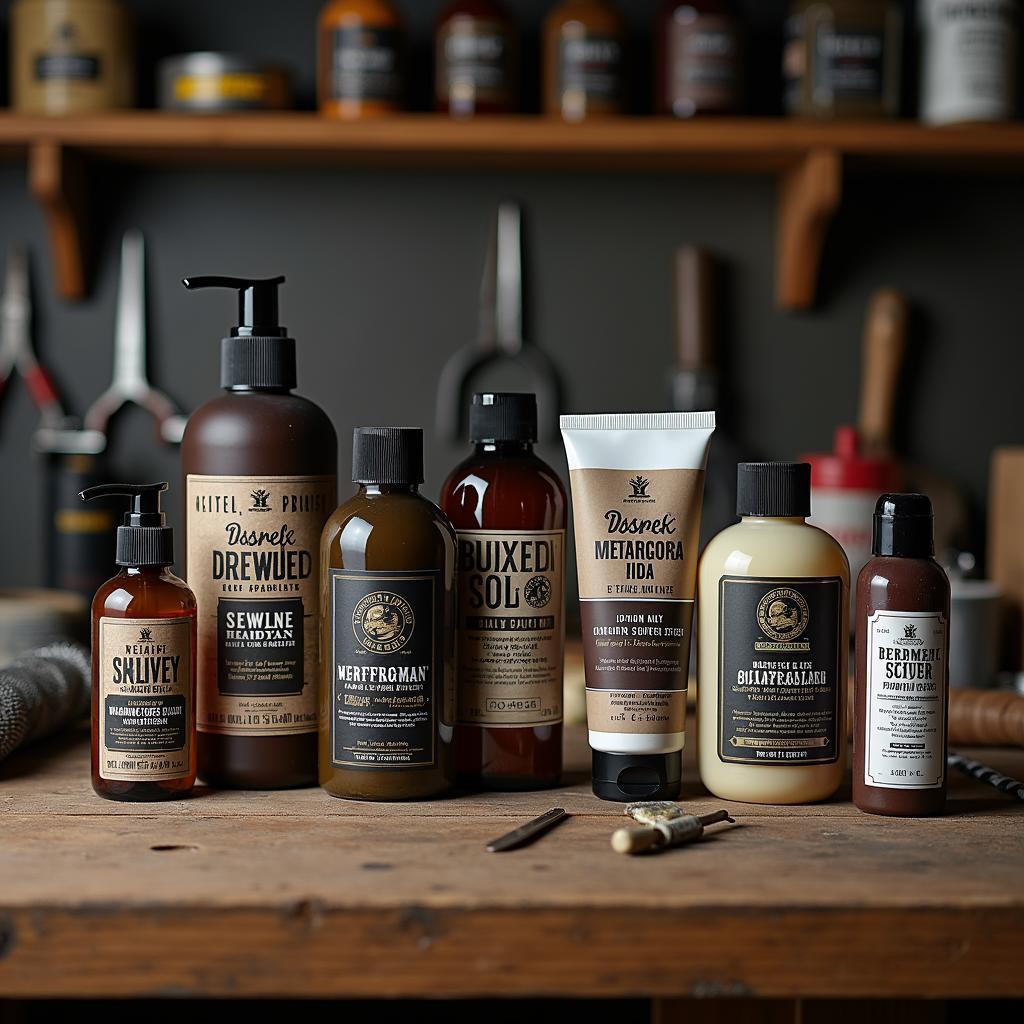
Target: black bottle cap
x,y
773,489
503,416
387,455
902,526
626,777
258,353
144,539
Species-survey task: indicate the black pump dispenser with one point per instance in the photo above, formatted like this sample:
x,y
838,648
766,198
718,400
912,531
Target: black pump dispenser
x,y
258,352
144,539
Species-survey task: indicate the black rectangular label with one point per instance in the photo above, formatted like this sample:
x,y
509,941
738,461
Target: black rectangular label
x,y
145,724
77,67
386,668
780,642
260,647
366,64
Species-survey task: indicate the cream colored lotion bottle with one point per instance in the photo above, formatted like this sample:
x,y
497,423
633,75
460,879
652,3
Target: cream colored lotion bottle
x,y
772,656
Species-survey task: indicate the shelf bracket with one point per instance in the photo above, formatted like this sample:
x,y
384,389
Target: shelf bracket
x,y
57,180
809,195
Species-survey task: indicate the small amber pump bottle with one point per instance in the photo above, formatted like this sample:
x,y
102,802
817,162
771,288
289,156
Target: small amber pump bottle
x,y
509,510
143,661
902,675
387,604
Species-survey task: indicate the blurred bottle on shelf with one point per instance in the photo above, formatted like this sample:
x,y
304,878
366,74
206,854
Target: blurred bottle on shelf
x,y
841,59
584,47
360,58
968,60
71,56
476,58
699,60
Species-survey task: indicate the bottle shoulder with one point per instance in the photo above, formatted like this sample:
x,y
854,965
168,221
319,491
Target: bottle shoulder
x,y
774,549
402,512
131,596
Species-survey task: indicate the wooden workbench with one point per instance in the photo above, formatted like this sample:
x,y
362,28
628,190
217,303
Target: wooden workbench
x,y
297,894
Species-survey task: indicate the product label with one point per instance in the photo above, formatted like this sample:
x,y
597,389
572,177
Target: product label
x,y
590,67
365,64
849,63
145,699
905,713
70,67
254,566
473,63
637,544
703,63
511,627
781,645
968,58
387,668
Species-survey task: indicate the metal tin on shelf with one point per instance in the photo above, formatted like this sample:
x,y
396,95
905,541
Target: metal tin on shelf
x,y
208,82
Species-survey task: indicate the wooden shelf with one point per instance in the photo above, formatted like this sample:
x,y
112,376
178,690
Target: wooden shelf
x,y
807,157
292,893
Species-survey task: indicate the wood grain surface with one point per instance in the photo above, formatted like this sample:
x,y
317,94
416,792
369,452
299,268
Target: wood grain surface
x,y
297,894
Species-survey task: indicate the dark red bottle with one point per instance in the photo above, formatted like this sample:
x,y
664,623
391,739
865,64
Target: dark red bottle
x,y
476,59
143,661
902,673
508,508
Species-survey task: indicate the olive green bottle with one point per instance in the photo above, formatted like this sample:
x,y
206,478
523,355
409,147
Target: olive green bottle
x,y
387,608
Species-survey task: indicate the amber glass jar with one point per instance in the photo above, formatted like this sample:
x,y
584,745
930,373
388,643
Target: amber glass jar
x,y
476,59
584,46
508,508
360,57
387,641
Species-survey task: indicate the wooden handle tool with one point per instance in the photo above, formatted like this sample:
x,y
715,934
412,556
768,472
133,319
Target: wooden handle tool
x,y
665,832
986,718
885,339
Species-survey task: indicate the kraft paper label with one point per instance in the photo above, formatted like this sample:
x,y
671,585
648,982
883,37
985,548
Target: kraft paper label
x,y
637,543
388,683
905,720
254,566
511,627
781,642
145,699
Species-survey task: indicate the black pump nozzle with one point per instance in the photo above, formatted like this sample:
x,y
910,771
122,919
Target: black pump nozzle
x,y
257,303
144,539
257,354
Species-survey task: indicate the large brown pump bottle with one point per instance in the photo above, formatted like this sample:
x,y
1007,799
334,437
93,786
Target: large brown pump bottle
x,y
260,468
509,510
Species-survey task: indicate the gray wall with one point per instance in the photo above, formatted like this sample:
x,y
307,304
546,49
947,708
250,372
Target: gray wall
x,y
383,268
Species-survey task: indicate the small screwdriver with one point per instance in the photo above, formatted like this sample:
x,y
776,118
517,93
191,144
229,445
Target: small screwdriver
x,y
666,832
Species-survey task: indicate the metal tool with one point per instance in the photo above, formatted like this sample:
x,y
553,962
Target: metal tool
x,y
983,773
665,832
527,833
16,352
130,384
500,338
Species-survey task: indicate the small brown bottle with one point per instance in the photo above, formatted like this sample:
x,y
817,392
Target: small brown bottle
x,y
584,43
902,674
360,56
476,57
699,66
387,574
143,661
509,510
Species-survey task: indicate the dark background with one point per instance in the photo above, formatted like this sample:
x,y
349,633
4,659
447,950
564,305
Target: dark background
x,y
383,269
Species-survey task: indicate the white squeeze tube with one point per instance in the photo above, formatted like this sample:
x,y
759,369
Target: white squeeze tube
x,y
637,485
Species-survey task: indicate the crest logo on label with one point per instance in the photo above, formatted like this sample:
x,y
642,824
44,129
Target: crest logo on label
x,y
783,614
145,635
383,622
538,592
910,637
260,500
638,487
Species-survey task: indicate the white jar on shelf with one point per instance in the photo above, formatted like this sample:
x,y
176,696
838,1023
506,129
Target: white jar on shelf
x,y
968,60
